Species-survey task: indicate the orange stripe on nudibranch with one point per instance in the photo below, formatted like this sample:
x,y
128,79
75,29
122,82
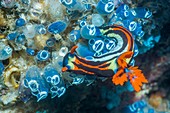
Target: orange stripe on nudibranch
x,y
129,38
73,49
64,69
90,66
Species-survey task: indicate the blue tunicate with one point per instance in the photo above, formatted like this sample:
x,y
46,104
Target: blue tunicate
x,y
123,14
57,91
97,20
57,27
105,7
82,23
83,50
131,25
21,39
30,51
40,29
138,31
89,31
5,51
24,93
78,80
137,105
12,36
97,45
53,78
122,7
53,91
36,83
43,55
88,7
1,68
69,3
61,91
142,12
149,42
110,44
20,22
50,42
74,35
132,14
51,75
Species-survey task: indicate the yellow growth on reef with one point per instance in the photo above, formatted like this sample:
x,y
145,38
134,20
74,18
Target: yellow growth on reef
x,y
11,77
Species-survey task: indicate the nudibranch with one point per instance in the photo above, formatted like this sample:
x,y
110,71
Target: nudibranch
x,y
115,63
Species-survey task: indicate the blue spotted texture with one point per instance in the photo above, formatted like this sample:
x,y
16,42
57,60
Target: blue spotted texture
x,y
36,83
41,83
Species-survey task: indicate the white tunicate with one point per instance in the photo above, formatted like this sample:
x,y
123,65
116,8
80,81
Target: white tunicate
x,y
58,62
29,31
97,20
63,51
5,51
55,9
8,3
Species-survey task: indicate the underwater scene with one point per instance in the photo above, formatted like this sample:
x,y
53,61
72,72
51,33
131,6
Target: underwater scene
x,y
84,56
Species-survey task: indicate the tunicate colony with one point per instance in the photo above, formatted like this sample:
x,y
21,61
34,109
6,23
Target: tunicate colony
x,y
49,80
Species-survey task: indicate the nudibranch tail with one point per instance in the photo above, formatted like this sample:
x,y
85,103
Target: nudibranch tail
x,y
117,79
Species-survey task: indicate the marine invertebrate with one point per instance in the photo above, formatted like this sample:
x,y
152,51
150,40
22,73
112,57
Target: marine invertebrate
x,y
42,32
36,83
139,106
57,27
113,63
54,79
41,84
5,51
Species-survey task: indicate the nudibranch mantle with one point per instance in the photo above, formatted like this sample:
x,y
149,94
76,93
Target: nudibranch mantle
x,y
115,63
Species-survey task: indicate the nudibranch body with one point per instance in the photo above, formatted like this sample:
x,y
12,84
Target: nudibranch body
x,y
115,63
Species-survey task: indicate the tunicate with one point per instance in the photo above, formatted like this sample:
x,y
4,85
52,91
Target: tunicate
x,y
5,51
97,20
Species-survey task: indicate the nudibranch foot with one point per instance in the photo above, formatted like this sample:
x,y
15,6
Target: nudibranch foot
x,y
120,77
126,72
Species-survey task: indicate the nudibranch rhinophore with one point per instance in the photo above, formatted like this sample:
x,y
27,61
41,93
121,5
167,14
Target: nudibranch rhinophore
x,y
115,63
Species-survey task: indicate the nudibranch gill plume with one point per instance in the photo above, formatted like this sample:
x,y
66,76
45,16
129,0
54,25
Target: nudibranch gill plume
x,y
115,63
